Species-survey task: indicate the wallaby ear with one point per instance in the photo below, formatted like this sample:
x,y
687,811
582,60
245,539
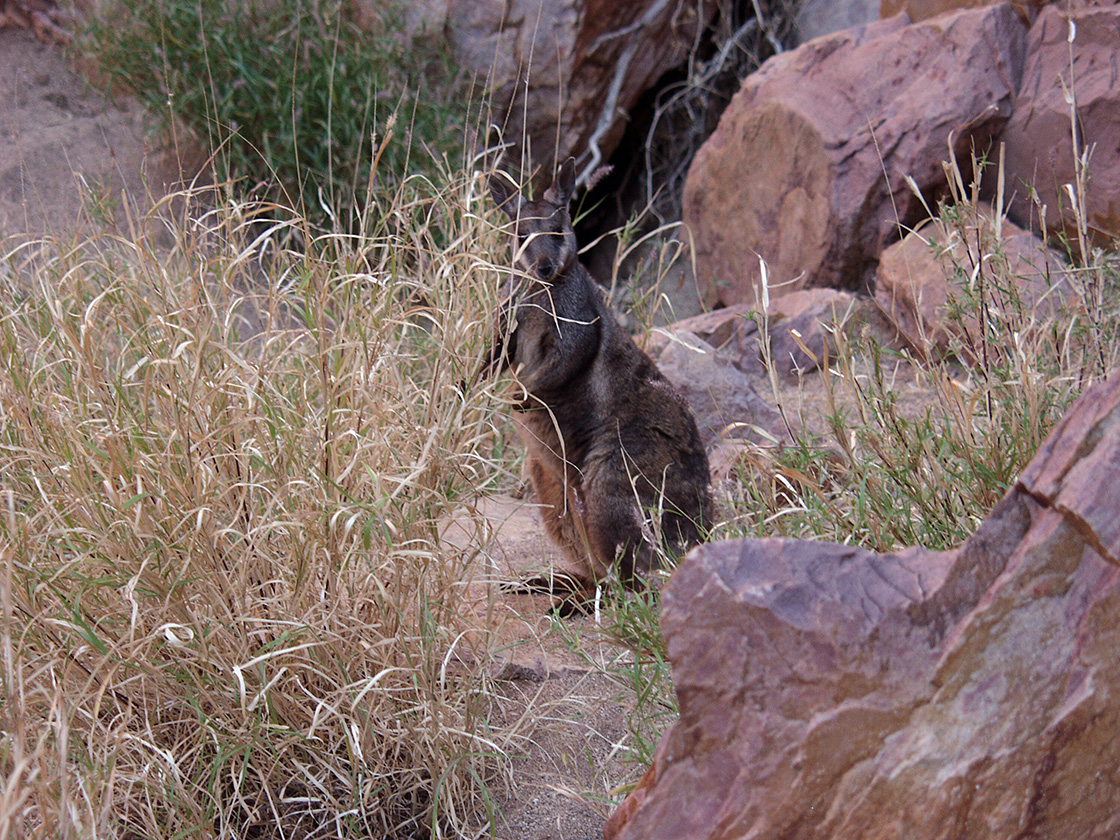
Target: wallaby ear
x,y
564,184
505,195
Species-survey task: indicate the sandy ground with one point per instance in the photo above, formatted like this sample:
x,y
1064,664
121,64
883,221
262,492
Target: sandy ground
x,y
69,155
574,760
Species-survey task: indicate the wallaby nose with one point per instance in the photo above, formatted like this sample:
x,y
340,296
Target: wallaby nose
x,y
545,268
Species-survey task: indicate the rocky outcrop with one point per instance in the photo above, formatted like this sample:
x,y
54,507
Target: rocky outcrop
x,y
721,397
564,75
808,165
830,692
1039,138
798,330
1015,275
801,330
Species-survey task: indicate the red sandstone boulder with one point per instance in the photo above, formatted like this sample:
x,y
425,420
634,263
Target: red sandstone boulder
x,y
1039,137
721,396
564,75
808,163
801,329
799,326
833,693
925,9
1020,278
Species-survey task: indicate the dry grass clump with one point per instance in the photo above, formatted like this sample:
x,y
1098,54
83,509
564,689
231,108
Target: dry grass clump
x,y
227,611
894,472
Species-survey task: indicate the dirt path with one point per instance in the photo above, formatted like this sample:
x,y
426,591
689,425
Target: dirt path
x,y
574,755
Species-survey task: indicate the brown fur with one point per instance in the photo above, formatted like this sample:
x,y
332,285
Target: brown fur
x,y
607,435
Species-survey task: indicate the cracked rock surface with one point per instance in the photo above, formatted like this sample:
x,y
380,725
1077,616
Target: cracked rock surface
x,y
831,692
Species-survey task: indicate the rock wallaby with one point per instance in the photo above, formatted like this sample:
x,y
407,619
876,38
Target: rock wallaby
x,y
614,455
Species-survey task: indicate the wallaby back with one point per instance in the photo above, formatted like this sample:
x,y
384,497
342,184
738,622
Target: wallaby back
x,y
609,439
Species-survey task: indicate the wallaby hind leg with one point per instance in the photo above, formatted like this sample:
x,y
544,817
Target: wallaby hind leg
x,y
614,531
560,514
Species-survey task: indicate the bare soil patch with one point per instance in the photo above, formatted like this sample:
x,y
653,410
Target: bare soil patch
x,y
69,154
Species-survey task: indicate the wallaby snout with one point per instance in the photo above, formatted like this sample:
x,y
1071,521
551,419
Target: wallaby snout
x,y
613,450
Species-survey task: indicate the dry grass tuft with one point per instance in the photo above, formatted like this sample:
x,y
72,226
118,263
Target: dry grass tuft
x,y
892,471
227,610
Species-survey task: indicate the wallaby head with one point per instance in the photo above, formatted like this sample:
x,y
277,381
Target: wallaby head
x,y
545,244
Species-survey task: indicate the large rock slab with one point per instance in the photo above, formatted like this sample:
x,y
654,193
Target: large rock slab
x,y
564,75
721,396
1039,135
799,330
830,692
807,167
925,9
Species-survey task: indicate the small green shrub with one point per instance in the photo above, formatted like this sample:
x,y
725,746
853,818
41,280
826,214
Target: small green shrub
x,y
290,95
